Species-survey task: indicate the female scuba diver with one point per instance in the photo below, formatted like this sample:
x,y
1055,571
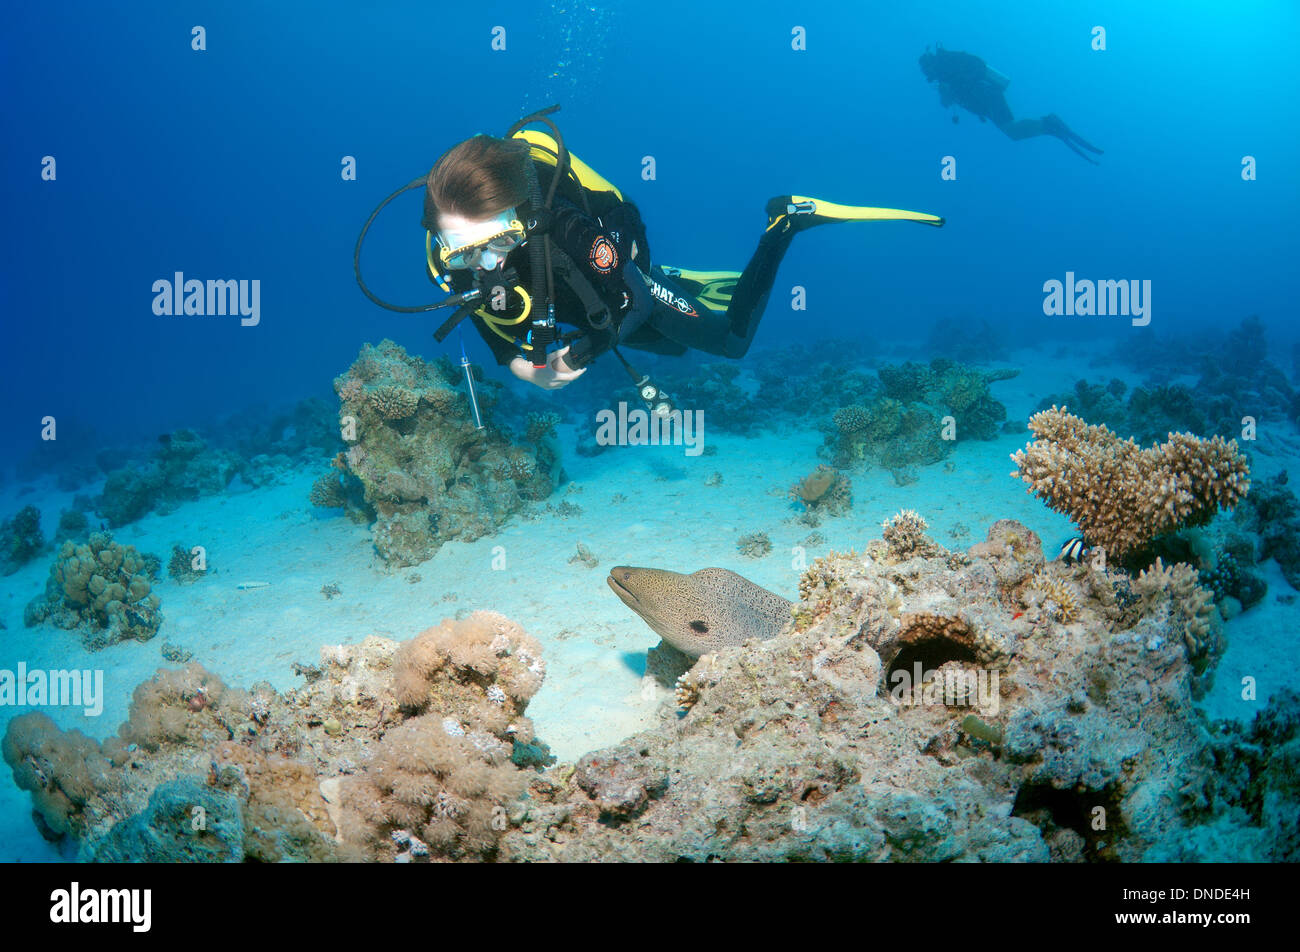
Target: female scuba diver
x,y
967,81
526,237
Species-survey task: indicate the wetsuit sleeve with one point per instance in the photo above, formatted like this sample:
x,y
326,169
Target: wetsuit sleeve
x,y
598,249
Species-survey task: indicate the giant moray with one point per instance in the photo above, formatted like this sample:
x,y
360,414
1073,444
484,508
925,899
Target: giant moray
x,y
701,612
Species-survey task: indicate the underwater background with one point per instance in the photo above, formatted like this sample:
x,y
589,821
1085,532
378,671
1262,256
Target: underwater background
x,y
226,163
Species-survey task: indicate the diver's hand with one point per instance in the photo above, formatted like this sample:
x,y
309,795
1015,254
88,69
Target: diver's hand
x,y
553,376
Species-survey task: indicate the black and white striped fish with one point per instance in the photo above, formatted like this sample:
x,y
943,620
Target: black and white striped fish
x,y
1075,550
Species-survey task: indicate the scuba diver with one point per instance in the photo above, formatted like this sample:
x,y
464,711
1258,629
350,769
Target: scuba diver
x,y
967,81
525,236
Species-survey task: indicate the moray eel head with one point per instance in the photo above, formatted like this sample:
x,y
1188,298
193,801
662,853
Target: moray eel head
x,y
703,611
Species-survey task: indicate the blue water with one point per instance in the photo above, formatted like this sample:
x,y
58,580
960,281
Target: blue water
x,y
225,163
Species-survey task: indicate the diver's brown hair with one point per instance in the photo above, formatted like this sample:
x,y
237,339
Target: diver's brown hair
x,y
478,178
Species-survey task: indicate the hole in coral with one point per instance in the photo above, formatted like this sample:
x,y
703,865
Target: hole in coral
x,y
932,653
1053,810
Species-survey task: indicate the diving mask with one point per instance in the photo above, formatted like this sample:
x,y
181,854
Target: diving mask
x,y
462,249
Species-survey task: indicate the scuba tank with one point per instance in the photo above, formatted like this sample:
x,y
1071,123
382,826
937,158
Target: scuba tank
x,y
995,78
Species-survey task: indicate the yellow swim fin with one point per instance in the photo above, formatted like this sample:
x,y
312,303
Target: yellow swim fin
x,y
800,211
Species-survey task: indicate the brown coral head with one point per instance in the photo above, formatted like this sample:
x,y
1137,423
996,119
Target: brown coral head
x,y
815,485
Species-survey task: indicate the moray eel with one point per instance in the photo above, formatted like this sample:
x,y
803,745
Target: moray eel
x,y
701,612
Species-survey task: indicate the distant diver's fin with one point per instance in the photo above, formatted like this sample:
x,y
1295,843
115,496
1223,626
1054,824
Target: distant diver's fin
x,y
799,211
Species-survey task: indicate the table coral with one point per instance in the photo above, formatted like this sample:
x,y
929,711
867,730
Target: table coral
x,y
1122,496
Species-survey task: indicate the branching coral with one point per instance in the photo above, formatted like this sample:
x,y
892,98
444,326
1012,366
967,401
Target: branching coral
x,y
181,566
539,426
102,587
1191,607
755,545
1120,495
904,534
392,402
327,492
705,672
851,419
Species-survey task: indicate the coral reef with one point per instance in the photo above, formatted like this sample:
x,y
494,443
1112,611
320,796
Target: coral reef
x,y
1152,412
425,473
925,706
966,340
1251,798
1271,514
922,412
103,589
814,745
73,524
182,469
405,753
1122,496
21,539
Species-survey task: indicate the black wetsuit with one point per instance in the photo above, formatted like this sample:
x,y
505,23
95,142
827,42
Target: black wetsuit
x,y
659,316
963,79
